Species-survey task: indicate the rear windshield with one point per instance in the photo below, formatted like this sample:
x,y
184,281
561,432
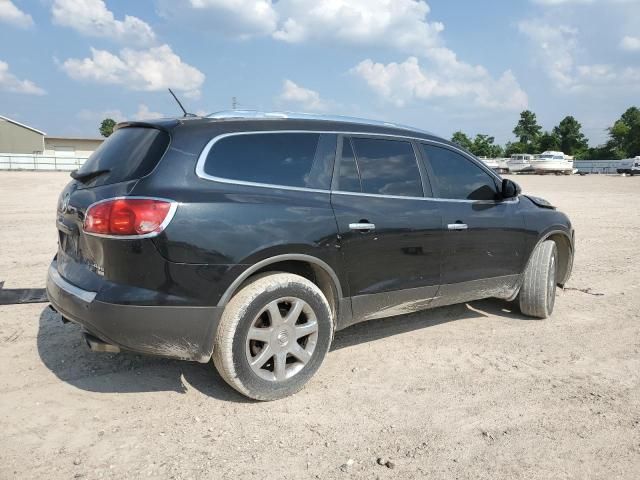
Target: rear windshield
x,y
287,159
128,154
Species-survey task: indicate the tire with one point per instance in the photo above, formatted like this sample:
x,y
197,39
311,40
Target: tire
x,y
256,328
538,291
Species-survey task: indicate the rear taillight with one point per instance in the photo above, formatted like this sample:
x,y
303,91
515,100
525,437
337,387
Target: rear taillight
x,y
129,217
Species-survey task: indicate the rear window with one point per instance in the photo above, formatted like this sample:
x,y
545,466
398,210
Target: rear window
x,y
128,154
287,159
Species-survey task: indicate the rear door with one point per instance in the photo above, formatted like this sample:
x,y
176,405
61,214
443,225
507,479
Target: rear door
x,y
483,236
388,229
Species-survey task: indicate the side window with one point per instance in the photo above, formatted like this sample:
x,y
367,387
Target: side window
x,y
287,159
348,178
388,167
457,177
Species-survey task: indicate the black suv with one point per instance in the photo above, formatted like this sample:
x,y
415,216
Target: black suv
x,y
253,238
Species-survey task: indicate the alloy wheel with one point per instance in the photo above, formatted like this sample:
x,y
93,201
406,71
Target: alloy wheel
x,y
282,339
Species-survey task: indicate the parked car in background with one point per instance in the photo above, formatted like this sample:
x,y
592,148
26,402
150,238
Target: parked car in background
x,y
252,238
630,166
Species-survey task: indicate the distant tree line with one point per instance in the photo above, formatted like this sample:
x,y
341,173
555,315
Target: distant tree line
x,y
567,136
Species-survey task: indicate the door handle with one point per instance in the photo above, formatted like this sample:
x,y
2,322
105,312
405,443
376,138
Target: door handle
x,y
457,226
362,227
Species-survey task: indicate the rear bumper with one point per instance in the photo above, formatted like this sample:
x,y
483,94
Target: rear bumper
x,y
170,331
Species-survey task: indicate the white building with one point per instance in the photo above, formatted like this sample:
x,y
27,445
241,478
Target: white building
x,y
27,148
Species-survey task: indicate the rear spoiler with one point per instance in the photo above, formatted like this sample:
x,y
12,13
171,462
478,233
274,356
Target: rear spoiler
x,y
164,125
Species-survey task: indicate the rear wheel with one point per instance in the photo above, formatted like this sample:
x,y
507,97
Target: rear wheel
x,y
273,336
538,291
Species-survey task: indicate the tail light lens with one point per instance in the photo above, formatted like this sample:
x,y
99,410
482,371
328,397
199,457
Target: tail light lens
x,y
129,216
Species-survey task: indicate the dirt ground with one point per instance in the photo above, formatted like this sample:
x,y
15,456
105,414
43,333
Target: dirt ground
x,y
469,391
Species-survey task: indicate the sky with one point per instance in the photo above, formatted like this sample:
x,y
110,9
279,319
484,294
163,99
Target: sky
x,y
438,65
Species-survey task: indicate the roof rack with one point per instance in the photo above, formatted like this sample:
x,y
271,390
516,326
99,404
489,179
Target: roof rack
x,y
259,115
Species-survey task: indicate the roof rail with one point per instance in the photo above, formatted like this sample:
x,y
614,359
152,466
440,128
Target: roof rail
x,y
259,115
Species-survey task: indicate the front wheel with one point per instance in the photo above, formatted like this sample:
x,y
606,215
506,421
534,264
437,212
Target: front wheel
x,y
273,336
538,291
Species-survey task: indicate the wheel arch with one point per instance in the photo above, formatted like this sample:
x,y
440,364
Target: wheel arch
x,y
307,266
565,247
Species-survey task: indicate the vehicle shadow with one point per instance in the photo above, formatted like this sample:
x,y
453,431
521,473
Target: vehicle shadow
x,y
64,353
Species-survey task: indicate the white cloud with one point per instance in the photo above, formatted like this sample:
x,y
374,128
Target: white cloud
x,y
401,24
144,113
9,13
239,18
152,69
10,83
607,75
300,97
555,50
448,78
92,18
631,44
555,46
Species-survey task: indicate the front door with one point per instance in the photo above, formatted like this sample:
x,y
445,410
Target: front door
x,y
388,229
483,235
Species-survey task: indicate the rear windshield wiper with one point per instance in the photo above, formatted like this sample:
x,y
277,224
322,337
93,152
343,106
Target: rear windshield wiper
x,y
83,177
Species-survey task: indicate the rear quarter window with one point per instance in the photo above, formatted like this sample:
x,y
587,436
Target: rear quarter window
x,y
303,160
128,154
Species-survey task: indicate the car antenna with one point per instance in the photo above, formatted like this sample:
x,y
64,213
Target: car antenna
x,y
186,114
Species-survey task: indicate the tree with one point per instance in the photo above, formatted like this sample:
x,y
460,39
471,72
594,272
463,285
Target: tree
x,y
497,151
572,140
629,137
602,152
527,130
460,138
512,148
106,127
548,141
483,146
624,138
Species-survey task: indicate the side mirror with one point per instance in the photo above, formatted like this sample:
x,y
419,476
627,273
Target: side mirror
x,y
510,189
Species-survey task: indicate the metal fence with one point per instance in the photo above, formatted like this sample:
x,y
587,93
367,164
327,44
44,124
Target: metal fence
x,y
39,162
600,166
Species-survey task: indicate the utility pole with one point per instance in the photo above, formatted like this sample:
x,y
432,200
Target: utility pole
x,y
234,103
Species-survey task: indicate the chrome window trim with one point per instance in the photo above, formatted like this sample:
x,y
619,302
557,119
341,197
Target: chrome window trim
x,y
84,295
172,211
431,199
202,158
